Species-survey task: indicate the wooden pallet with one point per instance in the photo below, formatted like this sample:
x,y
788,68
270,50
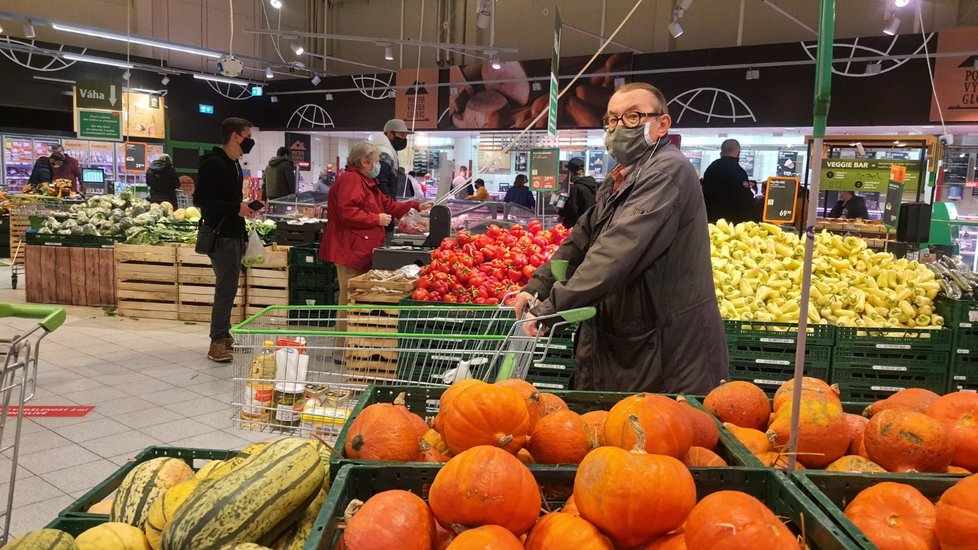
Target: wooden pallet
x,y
70,276
146,280
18,228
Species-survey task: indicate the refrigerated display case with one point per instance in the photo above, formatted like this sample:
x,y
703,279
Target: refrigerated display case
x,y
19,155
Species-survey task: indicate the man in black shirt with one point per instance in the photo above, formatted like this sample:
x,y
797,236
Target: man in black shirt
x,y
850,207
224,209
582,194
725,187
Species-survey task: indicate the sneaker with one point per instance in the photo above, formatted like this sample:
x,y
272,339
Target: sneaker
x,y
228,343
219,352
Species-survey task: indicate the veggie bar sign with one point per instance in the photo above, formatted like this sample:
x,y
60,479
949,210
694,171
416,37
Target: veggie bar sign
x,y
870,175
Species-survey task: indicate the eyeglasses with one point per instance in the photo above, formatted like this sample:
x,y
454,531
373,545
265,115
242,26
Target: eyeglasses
x,y
631,119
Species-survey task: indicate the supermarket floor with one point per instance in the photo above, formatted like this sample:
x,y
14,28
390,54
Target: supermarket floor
x,y
150,383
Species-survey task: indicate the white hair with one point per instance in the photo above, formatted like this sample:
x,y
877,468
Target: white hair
x,y
360,151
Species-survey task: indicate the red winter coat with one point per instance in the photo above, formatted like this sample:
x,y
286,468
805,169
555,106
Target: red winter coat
x,y
353,228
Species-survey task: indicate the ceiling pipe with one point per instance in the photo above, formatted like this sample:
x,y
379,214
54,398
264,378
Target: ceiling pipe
x,y
374,40
601,38
788,16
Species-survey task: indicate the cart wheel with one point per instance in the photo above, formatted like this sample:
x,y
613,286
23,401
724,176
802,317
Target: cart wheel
x,y
13,281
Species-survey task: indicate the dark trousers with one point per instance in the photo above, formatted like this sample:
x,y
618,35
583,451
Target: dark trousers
x,y
226,262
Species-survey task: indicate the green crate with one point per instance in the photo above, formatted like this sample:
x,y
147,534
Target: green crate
x,y
435,318
893,339
963,375
957,313
78,241
771,487
869,393
312,279
326,296
77,525
779,354
757,332
769,377
103,490
833,491
900,368
548,377
306,256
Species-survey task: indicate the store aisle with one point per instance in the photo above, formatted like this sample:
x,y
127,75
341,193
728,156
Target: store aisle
x,y
150,383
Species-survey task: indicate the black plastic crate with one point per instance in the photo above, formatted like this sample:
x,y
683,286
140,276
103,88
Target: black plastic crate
x,y
32,237
963,374
292,234
886,369
306,256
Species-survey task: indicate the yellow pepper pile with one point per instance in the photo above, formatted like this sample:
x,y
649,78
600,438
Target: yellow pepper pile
x,y
757,273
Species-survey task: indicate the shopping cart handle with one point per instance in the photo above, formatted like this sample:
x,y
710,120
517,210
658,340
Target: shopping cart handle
x,y
578,314
559,269
51,317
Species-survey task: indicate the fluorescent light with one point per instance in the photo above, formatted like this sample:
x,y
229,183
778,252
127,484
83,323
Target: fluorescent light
x,y
1,29
222,79
298,49
893,27
316,80
277,4
165,80
97,60
268,72
901,3
135,40
126,75
389,53
675,29
142,91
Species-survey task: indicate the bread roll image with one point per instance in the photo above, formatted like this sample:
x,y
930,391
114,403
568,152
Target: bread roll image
x,y
517,92
487,109
582,115
596,96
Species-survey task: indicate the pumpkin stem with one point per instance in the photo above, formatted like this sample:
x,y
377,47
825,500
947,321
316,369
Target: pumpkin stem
x,y
401,399
682,398
352,509
868,412
505,440
639,447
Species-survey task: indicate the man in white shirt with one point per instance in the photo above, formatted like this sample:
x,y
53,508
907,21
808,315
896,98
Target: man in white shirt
x,y
465,191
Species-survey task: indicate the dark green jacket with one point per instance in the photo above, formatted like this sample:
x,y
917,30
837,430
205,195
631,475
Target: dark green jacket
x,y
279,178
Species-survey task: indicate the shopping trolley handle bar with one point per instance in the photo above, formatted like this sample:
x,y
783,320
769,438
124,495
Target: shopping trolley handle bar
x,y
51,317
578,314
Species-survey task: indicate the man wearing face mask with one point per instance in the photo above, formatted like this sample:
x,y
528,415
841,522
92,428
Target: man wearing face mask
x,y
641,257
393,139
223,208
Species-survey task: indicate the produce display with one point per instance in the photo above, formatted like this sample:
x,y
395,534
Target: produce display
x,y
955,277
111,216
482,269
757,273
59,188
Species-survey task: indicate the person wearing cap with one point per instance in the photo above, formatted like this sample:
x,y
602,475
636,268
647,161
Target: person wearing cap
x,y
582,195
481,193
394,139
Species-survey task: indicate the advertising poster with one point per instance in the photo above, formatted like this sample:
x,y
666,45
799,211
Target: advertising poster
x,y
866,175
145,115
747,162
520,159
299,146
696,159
416,98
595,163
788,163
955,76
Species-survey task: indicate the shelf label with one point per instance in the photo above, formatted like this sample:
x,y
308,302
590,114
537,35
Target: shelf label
x,y
549,366
886,388
779,362
778,340
963,351
779,202
768,382
893,346
884,367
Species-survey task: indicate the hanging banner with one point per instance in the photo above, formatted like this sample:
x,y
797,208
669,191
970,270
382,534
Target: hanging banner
x,y
145,116
300,149
869,175
417,98
956,76
554,71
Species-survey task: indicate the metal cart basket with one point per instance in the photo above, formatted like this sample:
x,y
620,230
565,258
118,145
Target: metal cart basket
x,y
17,385
286,356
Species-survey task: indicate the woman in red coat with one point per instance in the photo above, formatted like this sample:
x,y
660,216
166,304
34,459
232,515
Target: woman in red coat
x,y
356,214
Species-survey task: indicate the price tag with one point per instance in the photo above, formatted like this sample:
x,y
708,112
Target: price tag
x,y
779,200
891,208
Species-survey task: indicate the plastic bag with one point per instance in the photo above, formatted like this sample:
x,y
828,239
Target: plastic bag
x,y
255,253
413,224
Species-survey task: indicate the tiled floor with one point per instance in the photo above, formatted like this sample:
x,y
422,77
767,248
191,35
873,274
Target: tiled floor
x,y
150,383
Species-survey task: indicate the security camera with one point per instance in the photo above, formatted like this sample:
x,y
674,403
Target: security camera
x,y
946,139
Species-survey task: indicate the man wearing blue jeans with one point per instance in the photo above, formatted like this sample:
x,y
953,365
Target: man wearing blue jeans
x,y
220,198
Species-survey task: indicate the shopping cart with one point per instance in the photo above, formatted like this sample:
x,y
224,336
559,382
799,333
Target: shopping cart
x,y
337,351
19,380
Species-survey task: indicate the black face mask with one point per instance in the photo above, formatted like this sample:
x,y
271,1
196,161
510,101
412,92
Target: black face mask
x,y
247,145
398,143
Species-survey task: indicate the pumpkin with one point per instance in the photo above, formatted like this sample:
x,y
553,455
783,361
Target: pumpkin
x,y
957,516
552,403
432,448
420,426
674,541
570,507
855,464
705,430
391,519
823,434
809,386
102,507
563,530
894,515
383,431
530,395
958,470
901,440
857,425
607,495
443,537
446,399
525,457
485,485
756,441
861,445
958,412
486,414
699,457
777,460
915,399
595,421
560,438
731,519
668,431
487,537
113,535
740,403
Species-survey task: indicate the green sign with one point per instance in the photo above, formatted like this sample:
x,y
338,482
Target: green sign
x,y
544,169
98,94
891,208
99,124
554,71
865,175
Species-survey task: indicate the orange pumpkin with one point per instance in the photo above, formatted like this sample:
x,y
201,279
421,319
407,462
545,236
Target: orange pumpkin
x,y
560,438
777,460
595,421
392,519
668,431
630,513
894,515
570,507
433,448
446,399
857,425
823,434
563,530
958,470
487,537
443,537
756,441
861,445
957,516
915,399
740,403
809,386
674,541
485,486
958,412
530,395
731,519
901,440
383,432
698,457
551,403
419,424
486,414
705,430
855,464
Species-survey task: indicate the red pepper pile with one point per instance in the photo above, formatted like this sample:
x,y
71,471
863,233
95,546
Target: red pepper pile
x,y
482,269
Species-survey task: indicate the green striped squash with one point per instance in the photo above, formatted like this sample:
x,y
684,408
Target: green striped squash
x,y
143,485
253,503
298,539
43,539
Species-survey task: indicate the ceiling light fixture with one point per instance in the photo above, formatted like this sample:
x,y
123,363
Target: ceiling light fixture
x,y
135,40
675,29
165,80
494,62
126,75
483,16
315,80
1,29
29,31
893,27
222,79
97,60
329,97
274,99
298,49
268,72
388,53
277,4
901,3
753,74
874,68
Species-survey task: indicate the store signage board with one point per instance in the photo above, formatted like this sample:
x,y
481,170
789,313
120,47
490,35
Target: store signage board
x,y
866,175
554,71
300,149
135,157
416,99
98,94
894,196
99,124
544,169
779,202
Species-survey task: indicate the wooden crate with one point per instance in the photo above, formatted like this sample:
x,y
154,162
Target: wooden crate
x,y
70,275
18,227
266,287
362,290
146,280
371,357
195,288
